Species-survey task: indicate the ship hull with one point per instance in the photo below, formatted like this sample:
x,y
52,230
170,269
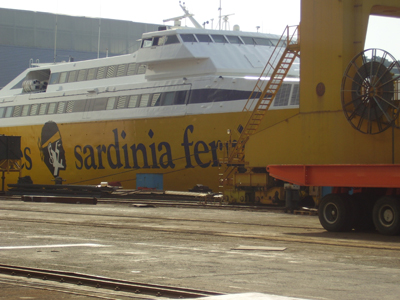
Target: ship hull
x,y
182,150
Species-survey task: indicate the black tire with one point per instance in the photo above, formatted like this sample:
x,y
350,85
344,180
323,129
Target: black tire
x,y
386,215
335,212
362,205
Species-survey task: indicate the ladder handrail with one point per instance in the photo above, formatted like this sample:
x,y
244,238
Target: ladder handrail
x,y
276,79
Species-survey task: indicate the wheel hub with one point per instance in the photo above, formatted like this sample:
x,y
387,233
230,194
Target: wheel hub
x,y
387,216
331,213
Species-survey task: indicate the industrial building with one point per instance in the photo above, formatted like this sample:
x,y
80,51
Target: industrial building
x,y
29,37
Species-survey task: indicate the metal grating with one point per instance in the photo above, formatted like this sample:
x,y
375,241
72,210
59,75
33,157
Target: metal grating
x,y
17,111
131,69
34,110
25,110
91,74
121,71
121,102
42,109
70,106
110,71
133,101
61,107
82,75
52,108
101,73
282,97
295,99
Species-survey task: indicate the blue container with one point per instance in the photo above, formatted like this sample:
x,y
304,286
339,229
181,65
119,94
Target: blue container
x,y
150,181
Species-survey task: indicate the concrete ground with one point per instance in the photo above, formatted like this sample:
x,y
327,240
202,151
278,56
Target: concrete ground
x,y
228,251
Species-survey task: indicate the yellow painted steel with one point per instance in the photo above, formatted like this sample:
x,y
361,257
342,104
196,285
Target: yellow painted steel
x,y
183,164
332,33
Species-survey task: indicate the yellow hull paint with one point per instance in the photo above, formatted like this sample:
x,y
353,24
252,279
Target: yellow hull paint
x,y
180,148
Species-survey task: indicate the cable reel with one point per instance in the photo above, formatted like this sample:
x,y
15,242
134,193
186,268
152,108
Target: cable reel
x,y
369,92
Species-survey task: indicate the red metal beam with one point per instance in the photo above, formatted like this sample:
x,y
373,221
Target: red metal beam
x,y
386,176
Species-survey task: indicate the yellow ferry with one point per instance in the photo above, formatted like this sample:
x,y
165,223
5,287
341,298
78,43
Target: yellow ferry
x,y
153,118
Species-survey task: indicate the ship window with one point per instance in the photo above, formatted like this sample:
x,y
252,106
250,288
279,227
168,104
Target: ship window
x,y
34,110
63,77
188,38
101,73
204,38
276,41
70,106
146,43
61,107
110,103
18,85
42,108
133,101
91,74
142,69
121,71
219,38
282,97
200,96
155,100
79,105
82,75
263,41
131,69
180,97
233,39
2,109
25,110
121,102
159,40
214,95
295,99
72,76
9,111
99,104
144,100
248,40
168,98
17,111
54,78
111,71
52,108
172,39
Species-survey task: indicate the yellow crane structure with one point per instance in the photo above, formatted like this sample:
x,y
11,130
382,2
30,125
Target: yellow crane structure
x,y
345,132
261,98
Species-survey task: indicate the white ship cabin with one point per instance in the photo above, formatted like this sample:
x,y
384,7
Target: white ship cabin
x,y
172,67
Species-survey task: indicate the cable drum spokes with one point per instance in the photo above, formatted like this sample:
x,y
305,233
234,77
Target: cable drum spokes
x,y
368,91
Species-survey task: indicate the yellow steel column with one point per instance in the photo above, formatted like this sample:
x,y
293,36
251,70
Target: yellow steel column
x,y
332,33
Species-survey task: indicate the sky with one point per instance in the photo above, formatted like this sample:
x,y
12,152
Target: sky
x,y
271,16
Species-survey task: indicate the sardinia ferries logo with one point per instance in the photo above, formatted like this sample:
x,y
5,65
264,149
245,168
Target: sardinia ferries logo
x,y
118,154
51,149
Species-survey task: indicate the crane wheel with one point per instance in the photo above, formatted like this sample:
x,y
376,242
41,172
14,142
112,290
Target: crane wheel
x,y
335,212
386,215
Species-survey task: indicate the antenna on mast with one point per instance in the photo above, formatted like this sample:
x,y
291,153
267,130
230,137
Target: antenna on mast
x,y
177,20
226,21
220,14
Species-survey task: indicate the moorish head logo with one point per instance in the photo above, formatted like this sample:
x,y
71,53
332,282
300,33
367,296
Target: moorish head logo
x,y
51,149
